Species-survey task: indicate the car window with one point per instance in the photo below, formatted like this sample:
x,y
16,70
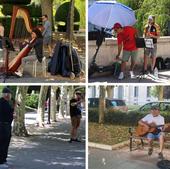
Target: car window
x,y
148,106
120,103
93,102
113,103
164,106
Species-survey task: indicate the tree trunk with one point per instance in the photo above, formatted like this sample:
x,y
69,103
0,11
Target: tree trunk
x,y
102,104
161,93
70,21
53,103
41,105
109,90
19,128
47,9
69,96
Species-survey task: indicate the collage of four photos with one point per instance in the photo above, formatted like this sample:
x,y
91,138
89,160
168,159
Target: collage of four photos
x,y
84,84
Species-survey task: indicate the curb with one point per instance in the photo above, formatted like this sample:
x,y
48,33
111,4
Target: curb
x,y
108,147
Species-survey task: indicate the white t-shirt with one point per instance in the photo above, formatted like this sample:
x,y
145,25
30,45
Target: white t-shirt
x,y
158,120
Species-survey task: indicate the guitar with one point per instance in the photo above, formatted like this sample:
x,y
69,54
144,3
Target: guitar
x,y
143,130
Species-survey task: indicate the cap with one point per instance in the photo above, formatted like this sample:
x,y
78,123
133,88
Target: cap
x,y
150,17
6,90
155,107
117,26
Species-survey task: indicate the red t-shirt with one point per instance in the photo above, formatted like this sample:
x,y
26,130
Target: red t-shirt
x,y
127,37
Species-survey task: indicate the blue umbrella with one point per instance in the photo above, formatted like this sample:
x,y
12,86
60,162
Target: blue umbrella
x,y
106,13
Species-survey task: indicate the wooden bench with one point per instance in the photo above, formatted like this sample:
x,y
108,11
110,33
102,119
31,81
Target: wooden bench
x,y
133,137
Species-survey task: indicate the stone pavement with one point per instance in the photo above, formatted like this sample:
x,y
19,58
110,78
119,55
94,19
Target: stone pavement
x,y
123,159
108,78
48,148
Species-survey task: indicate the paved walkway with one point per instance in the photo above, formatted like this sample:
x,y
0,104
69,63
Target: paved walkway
x,y
123,159
108,77
48,148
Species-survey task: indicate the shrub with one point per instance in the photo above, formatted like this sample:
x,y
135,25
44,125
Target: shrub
x,y
32,100
34,10
25,2
121,118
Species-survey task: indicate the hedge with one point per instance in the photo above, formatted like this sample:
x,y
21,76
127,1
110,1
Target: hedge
x,y
32,100
121,118
25,2
62,13
34,10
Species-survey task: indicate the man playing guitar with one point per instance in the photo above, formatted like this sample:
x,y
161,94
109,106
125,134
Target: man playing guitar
x,y
156,121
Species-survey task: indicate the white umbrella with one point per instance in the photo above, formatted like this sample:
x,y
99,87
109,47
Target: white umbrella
x,y
106,13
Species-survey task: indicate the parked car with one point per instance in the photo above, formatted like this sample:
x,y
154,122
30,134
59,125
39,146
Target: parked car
x,y
111,104
163,106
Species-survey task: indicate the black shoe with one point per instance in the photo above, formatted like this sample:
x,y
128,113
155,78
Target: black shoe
x,y
145,72
70,141
76,140
160,156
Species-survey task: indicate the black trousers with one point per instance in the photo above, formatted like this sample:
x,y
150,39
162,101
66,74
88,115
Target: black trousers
x,y
5,137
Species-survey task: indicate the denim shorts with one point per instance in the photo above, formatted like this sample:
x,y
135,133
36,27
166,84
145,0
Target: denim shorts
x,y
153,136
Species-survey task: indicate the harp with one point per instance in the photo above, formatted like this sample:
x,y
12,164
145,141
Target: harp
x,y
21,28
20,23
16,62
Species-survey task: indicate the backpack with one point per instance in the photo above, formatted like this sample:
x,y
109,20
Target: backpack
x,y
116,69
160,64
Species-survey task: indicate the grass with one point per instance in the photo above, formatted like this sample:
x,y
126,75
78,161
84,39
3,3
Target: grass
x,y
107,134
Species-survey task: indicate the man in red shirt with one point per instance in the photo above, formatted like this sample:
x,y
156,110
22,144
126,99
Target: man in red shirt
x,y
126,41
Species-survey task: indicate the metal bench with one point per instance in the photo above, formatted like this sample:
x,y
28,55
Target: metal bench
x,y
133,137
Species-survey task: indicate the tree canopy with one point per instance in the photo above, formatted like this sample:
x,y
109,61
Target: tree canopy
x,y
144,8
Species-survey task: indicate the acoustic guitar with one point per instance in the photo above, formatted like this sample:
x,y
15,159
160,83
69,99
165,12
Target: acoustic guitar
x,y
142,130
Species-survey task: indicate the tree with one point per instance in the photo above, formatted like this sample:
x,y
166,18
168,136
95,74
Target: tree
x,y
47,9
109,90
70,21
19,128
53,103
158,91
102,104
41,105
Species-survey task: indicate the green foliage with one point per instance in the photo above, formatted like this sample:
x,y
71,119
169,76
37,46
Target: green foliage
x,y
34,10
121,118
32,100
144,8
25,2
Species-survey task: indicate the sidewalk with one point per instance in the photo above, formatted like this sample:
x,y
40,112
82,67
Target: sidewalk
x,y
48,148
124,159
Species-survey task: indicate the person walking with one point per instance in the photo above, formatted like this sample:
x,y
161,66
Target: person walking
x,y
151,31
75,114
47,34
6,118
126,41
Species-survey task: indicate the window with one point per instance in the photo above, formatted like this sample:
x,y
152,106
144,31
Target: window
x,y
136,90
148,91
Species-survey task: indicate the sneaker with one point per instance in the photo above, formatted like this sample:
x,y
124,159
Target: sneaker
x,y
145,72
121,76
150,151
160,156
70,141
132,76
76,140
4,166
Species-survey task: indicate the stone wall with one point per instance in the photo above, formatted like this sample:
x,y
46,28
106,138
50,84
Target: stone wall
x,y
108,50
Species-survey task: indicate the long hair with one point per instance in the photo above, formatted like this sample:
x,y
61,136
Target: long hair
x,y
37,32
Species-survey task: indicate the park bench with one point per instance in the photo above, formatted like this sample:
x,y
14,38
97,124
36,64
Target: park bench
x,y
133,137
